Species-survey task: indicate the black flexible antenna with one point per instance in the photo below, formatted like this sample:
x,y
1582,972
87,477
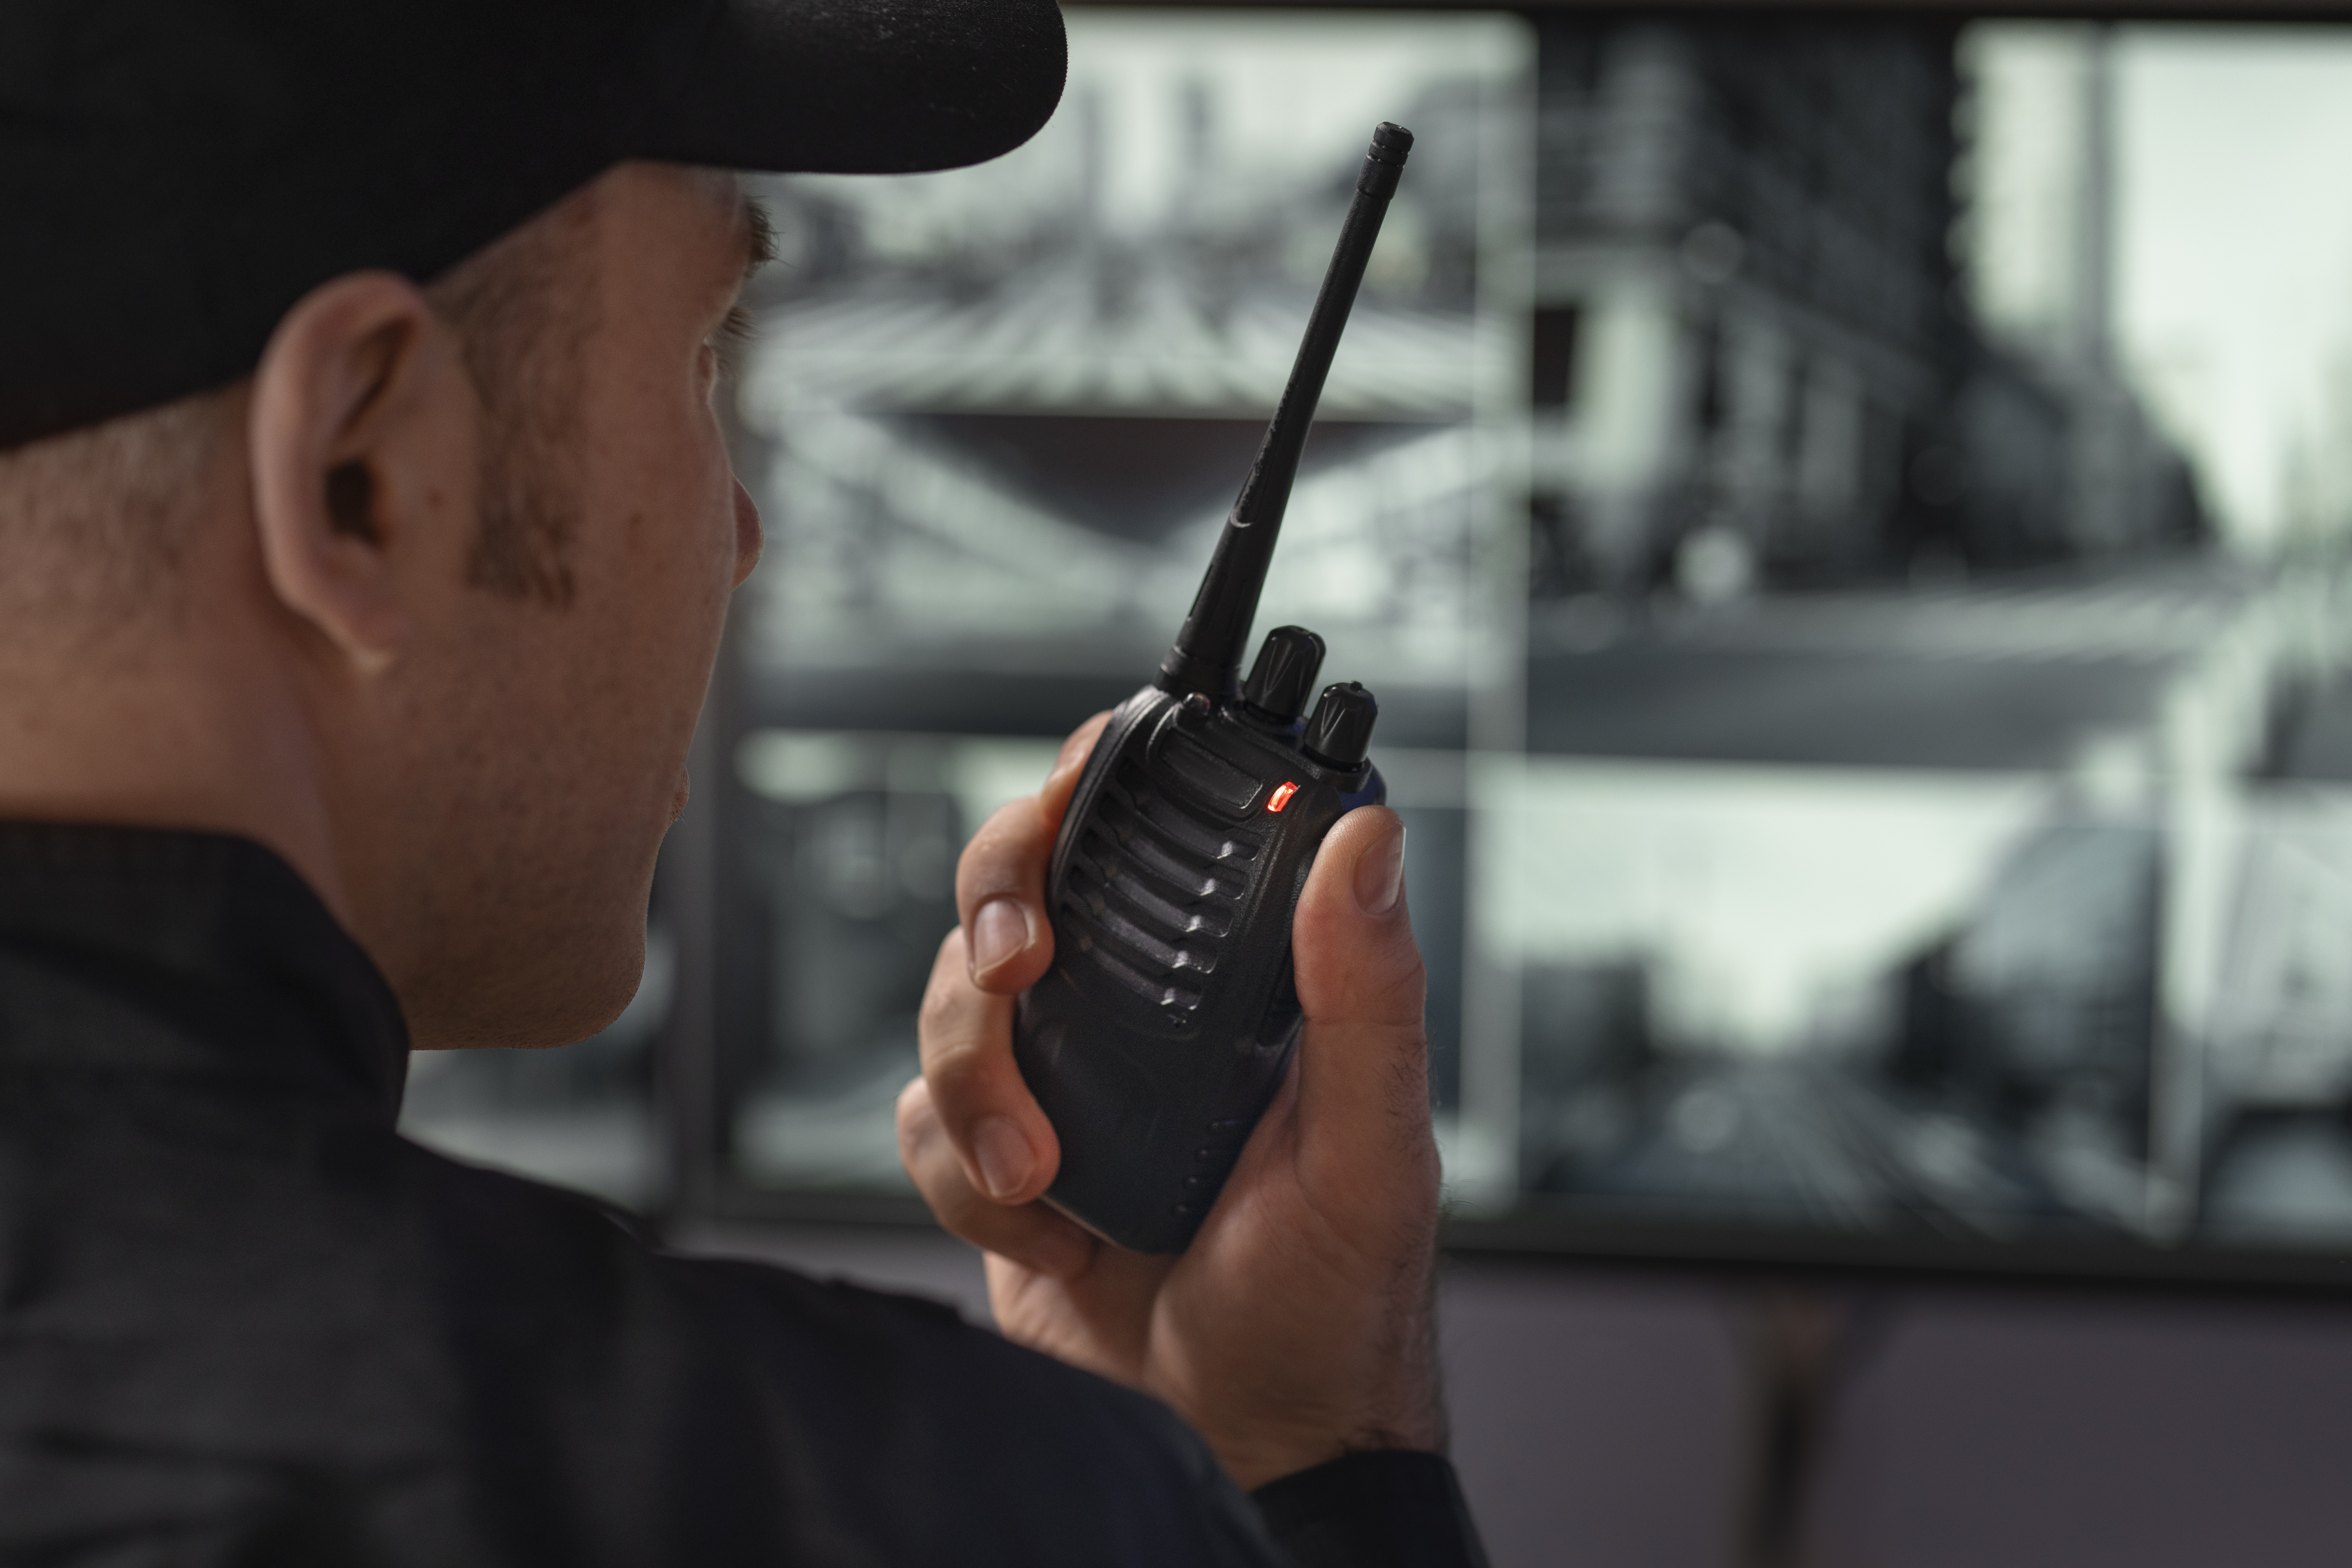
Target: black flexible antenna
x,y
1207,657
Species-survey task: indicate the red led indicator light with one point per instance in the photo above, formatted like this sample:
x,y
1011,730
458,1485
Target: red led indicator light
x,y
1281,796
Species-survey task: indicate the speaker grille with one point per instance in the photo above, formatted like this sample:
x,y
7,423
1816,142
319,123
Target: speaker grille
x,y
1152,889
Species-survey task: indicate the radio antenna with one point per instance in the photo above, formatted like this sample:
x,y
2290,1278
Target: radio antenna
x,y
1207,657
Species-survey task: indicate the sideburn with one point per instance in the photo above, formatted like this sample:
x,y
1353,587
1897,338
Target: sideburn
x,y
526,310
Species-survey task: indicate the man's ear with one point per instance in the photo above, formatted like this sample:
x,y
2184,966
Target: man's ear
x,y
360,449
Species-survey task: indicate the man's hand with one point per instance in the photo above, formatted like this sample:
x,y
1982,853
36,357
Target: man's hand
x,y
1299,1326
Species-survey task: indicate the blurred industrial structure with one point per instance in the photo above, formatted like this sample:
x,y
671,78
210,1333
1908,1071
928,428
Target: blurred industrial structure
x,y
1755,356
1001,419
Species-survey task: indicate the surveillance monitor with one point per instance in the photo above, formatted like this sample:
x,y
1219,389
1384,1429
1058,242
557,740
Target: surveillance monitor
x,y
1849,516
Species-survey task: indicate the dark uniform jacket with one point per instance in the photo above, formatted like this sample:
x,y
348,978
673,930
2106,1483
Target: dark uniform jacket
x,y
243,1322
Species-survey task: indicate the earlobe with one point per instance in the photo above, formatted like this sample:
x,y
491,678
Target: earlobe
x,y
342,438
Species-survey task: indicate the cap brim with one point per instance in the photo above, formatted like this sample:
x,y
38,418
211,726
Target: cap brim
x,y
883,87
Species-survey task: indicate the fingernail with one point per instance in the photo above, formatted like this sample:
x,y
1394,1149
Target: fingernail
x,y
1379,874
999,931
1004,1156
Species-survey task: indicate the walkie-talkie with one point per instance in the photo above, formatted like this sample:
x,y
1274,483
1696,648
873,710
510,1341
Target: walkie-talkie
x,y
1169,1018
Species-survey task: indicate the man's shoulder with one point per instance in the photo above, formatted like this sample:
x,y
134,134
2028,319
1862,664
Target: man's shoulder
x,y
515,1254
761,1405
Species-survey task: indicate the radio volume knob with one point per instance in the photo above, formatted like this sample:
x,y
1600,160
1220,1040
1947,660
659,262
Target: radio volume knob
x,y
1284,674
1340,735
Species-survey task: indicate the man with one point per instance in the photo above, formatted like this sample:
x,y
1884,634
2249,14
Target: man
x,y
365,536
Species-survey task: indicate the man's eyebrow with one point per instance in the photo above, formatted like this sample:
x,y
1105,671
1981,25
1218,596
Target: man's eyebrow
x,y
759,249
760,237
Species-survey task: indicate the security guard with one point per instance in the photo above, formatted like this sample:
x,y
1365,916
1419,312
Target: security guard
x,y
365,535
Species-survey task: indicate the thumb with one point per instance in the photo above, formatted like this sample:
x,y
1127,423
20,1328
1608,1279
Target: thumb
x,y
1363,1071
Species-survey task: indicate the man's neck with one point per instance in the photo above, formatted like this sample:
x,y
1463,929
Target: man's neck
x,y
182,733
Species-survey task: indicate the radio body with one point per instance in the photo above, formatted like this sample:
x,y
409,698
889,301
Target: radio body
x,y
1169,1018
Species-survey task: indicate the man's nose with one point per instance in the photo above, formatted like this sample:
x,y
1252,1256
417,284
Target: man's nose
x,y
750,537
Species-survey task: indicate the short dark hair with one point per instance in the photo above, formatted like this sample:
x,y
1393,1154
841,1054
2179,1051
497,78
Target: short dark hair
x,y
93,522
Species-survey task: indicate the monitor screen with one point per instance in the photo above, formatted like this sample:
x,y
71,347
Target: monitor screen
x,y
1844,515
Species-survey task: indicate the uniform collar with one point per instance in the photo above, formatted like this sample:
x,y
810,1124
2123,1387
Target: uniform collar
x,y
196,957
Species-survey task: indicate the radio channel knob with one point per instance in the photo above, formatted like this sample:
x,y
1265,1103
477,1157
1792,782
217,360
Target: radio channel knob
x,y
1284,674
1340,735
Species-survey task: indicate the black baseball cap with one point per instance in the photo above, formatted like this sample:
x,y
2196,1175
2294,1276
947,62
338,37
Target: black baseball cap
x,y
176,173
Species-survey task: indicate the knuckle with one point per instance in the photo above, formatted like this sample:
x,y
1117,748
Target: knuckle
x,y
959,1072
933,1166
940,1005
923,1154
1002,839
916,1113
1081,742
1405,987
